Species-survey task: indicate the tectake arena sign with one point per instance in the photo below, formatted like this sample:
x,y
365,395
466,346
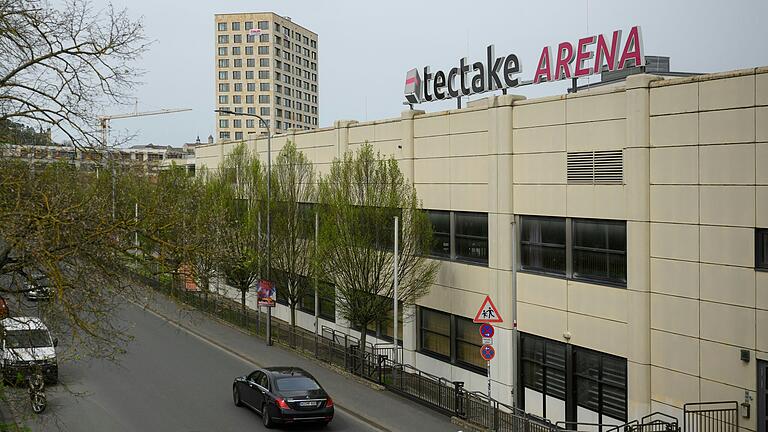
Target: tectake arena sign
x,y
568,60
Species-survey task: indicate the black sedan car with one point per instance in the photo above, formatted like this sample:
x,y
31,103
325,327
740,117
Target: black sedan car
x,y
283,395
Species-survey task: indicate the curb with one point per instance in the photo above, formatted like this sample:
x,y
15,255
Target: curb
x,y
248,359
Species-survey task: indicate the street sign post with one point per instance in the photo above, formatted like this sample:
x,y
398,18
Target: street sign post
x,y
488,314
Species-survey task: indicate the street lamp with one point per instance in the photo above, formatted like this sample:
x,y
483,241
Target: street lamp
x,y
269,200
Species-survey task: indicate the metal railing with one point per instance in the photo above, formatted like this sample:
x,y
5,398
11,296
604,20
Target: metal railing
x,y
711,417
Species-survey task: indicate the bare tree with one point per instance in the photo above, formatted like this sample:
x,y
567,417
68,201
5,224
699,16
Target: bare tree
x,y
359,199
293,246
58,66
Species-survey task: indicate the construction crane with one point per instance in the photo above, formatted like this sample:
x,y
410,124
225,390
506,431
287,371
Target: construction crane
x,y
104,123
104,120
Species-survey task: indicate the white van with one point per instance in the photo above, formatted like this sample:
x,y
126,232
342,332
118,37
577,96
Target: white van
x,y
27,344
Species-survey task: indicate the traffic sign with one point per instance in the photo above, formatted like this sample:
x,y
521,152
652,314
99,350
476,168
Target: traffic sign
x,y
488,312
487,352
486,330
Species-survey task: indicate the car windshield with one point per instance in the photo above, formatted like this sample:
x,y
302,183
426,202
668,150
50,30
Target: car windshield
x,y
27,339
296,383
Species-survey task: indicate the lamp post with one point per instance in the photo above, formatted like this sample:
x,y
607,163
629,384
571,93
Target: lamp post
x,y
269,201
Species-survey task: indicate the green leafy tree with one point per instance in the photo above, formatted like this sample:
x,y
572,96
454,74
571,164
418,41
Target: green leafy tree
x,y
240,184
293,227
360,197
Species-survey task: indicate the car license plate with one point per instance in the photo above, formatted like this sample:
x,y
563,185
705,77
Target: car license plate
x,y
306,404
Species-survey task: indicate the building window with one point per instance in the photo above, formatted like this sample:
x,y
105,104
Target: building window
x,y
264,38
238,38
249,38
264,99
467,343
601,387
264,86
249,74
235,26
595,250
249,50
249,63
236,50
237,123
250,123
223,99
327,299
264,25
223,87
248,25
238,135
251,110
542,244
237,99
599,250
238,62
249,99
263,74
450,338
761,248
264,111
264,62
222,26
571,383
435,333
235,75
543,363
222,51
224,123
223,63
441,233
471,236
223,75
223,135
251,87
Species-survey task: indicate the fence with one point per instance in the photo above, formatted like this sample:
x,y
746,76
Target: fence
x,y
377,365
711,417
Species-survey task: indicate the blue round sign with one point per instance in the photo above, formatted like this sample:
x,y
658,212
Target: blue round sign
x,y
486,330
487,352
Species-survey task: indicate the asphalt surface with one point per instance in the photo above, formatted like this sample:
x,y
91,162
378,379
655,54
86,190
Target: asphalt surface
x,y
169,380
177,376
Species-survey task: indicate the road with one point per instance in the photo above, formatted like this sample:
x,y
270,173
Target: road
x,y
169,380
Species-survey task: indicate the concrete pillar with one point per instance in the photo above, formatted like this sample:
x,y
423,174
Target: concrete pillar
x,y
342,135
637,204
406,152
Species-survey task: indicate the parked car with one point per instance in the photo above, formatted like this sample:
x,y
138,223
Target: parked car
x,y
283,395
27,344
38,288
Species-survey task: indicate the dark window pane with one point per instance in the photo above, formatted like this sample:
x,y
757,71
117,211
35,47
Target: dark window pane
x,y
468,342
761,248
472,237
296,384
435,332
542,244
441,232
601,382
533,376
588,394
599,250
544,365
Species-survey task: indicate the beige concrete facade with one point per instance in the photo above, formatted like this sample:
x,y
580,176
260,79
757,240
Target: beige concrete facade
x,y
265,65
694,188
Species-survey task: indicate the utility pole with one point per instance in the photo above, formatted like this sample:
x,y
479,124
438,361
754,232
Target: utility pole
x,y
394,318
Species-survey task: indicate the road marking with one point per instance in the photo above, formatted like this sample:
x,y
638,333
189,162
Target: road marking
x,y
246,359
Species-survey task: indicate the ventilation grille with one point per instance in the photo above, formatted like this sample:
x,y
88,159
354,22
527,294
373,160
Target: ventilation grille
x,y
597,167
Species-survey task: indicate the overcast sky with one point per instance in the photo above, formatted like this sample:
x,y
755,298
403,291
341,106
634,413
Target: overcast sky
x,y
366,47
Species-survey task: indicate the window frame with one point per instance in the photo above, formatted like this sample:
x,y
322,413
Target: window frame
x,y
761,258
569,252
422,330
543,244
454,256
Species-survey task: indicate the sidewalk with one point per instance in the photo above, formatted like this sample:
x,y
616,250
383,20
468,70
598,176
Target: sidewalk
x,y
379,408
